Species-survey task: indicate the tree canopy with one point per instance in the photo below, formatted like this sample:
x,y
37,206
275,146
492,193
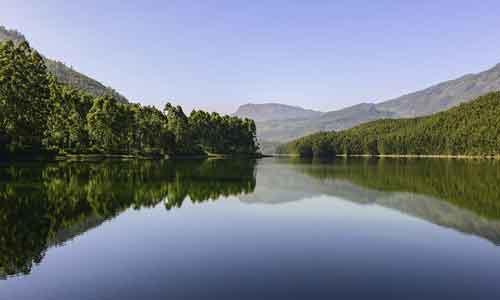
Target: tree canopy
x,y
38,113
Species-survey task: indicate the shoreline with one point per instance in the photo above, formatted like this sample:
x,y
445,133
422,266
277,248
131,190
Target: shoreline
x,y
50,157
434,156
125,157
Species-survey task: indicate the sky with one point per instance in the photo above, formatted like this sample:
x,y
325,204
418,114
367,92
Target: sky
x,y
217,55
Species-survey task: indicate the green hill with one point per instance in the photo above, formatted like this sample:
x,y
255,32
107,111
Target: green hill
x,y
469,129
65,74
277,126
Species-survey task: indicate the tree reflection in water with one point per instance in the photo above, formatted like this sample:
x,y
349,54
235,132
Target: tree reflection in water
x,y
42,205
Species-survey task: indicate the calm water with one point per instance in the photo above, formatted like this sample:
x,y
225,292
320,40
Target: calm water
x,y
267,229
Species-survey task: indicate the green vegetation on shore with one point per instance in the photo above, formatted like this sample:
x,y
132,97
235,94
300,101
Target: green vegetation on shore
x,y
38,114
471,129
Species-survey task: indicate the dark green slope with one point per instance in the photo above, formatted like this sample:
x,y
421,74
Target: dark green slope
x,y
65,74
469,129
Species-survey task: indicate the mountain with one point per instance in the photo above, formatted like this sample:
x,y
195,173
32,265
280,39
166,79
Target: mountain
x,y
65,74
274,111
471,129
431,100
444,95
285,130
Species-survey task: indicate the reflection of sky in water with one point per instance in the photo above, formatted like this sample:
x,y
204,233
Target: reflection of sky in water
x,y
294,237
317,246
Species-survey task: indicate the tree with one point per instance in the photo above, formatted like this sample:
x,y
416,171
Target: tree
x,y
101,123
24,95
178,124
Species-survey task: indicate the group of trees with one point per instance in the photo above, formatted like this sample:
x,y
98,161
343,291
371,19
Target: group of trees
x,y
469,129
221,134
38,113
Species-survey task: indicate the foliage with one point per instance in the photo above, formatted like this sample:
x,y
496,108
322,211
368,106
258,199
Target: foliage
x,y
24,95
223,134
37,112
469,129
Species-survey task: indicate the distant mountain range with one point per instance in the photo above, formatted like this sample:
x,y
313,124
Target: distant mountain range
x,y
65,74
274,111
290,122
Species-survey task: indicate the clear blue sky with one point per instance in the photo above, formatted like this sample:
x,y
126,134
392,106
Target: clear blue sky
x,y
217,55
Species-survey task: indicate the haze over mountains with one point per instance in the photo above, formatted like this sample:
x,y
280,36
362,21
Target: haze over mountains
x,y
274,111
280,125
65,74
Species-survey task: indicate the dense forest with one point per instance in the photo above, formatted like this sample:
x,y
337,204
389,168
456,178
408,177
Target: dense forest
x,y
39,114
471,129
55,202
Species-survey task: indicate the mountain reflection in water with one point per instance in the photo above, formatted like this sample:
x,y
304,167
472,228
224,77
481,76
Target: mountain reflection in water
x,y
45,205
459,194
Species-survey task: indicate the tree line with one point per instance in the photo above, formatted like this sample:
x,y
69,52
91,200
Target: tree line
x,y
470,129
37,114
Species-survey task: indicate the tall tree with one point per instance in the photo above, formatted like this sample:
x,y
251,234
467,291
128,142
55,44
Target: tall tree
x,y
101,123
24,94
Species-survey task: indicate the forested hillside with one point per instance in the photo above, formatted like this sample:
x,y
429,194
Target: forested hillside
x,y
469,129
65,74
38,114
425,102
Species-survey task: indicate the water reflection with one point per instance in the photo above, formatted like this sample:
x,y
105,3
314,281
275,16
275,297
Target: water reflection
x,y
459,194
43,205
46,205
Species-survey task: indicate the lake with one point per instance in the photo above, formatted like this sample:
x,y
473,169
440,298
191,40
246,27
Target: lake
x,y
251,229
